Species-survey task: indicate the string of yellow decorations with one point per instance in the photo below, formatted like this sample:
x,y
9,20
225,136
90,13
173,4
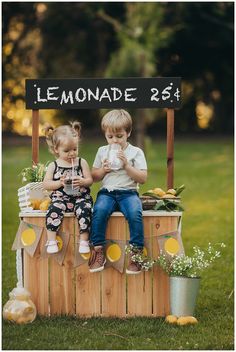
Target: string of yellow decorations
x,y
28,237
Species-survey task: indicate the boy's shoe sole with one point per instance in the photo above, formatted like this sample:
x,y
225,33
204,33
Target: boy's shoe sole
x,y
129,272
96,270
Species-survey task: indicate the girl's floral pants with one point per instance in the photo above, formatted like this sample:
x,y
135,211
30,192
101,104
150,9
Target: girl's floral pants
x,y
61,202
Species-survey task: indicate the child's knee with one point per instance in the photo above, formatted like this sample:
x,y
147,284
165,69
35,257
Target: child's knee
x,y
57,206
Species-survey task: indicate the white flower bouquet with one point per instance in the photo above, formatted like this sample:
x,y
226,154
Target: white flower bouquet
x,y
185,266
180,265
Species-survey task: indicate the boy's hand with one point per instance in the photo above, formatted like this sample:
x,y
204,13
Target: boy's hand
x,y
106,166
122,157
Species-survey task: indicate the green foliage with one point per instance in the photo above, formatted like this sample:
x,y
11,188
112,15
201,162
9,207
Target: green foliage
x,y
34,173
168,205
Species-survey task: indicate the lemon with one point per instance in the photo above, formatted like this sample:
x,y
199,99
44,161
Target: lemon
x,y
186,320
182,321
28,237
168,195
171,191
44,204
35,203
171,319
159,192
113,252
192,320
171,246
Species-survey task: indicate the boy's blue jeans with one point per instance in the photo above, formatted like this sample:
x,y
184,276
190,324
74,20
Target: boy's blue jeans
x,y
126,201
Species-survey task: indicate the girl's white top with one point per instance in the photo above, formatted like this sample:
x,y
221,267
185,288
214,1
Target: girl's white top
x,y
119,179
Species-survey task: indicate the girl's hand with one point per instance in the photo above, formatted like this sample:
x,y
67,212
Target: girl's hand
x,y
122,157
106,166
62,180
78,181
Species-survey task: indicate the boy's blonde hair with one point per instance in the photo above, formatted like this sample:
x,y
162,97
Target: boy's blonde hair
x,y
116,120
55,136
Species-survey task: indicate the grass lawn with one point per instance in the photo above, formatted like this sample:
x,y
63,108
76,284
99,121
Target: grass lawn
x,y
206,169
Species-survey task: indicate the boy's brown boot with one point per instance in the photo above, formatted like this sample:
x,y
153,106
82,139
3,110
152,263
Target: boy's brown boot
x,y
97,260
134,267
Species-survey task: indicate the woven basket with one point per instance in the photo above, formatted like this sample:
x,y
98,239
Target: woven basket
x,y
148,203
33,190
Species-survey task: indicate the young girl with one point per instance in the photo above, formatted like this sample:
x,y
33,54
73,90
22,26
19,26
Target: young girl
x,y
63,143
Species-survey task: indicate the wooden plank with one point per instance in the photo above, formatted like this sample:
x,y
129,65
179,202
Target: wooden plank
x,y
36,272
161,305
35,136
41,214
139,293
113,282
62,298
170,148
87,285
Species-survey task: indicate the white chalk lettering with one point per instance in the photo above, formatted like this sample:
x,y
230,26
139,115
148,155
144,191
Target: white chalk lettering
x,y
65,99
127,95
105,94
166,93
83,95
155,93
91,94
38,95
50,95
114,89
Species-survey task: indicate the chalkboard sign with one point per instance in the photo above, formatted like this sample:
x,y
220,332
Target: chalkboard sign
x,y
89,93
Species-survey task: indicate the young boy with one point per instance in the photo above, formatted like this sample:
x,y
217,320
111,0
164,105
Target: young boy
x,y
119,189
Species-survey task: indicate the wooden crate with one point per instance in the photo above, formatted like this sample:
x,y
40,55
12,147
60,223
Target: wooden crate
x,y
62,289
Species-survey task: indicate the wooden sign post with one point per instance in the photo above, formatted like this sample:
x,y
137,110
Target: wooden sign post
x,y
88,93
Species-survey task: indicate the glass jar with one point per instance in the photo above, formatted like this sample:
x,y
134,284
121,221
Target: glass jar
x,y
114,162
19,309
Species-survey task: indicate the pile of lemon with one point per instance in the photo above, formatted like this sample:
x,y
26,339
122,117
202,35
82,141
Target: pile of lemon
x,y
170,193
173,319
40,204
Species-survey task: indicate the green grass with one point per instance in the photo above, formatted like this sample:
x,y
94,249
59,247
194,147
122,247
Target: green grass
x,y
206,168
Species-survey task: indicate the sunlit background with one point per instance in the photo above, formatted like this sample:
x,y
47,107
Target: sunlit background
x,y
73,40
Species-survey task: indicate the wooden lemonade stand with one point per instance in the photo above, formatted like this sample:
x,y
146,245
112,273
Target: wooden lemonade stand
x,y
64,289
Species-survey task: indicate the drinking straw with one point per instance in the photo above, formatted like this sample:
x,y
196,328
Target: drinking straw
x,y
73,171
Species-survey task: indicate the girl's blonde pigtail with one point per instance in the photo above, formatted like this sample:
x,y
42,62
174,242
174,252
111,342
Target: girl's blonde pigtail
x,y
76,125
49,130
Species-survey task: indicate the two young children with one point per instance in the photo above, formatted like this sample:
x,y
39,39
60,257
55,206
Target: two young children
x,y
118,190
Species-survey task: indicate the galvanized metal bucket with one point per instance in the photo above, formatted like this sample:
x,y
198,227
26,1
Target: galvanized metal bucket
x,y
183,295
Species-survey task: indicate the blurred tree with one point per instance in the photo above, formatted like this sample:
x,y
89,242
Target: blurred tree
x,y
21,43
140,36
77,43
202,52
79,39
